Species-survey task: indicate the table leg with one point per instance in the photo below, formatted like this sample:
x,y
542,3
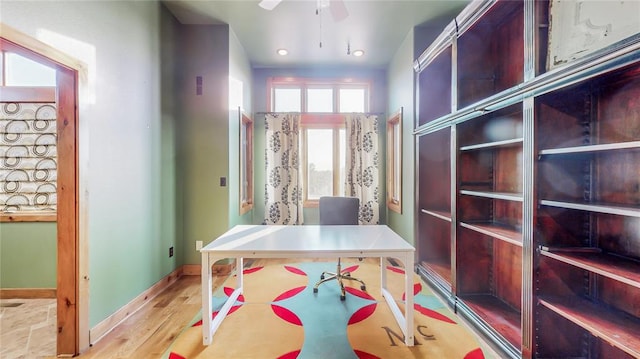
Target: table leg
x,y
210,325
408,289
405,322
206,279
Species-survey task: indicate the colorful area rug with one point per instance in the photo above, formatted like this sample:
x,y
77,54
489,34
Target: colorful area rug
x,y
279,316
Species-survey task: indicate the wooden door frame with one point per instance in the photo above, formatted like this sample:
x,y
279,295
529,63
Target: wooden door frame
x,y
72,241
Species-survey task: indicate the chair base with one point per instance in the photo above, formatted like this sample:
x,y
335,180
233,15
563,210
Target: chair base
x,y
328,276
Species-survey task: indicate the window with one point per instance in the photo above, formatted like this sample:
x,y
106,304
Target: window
x,y
323,136
323,161
28,112
394,162
320,96
246,163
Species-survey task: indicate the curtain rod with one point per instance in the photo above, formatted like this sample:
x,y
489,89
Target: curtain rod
x,y
321,113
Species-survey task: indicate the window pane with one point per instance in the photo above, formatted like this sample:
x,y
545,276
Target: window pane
x,y
287,100
397,153
319,100
319,162
21,71
352,100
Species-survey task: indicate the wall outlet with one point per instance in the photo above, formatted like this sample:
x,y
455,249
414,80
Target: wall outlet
x,y
170,252
198,245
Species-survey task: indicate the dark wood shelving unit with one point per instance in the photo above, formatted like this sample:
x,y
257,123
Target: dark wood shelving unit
x,y
434,88
528,180
489,212
490,53
588,219
617,329
434,207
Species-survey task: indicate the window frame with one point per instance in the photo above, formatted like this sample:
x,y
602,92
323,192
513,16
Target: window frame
x,y
26,94
319,120
394,162
246,163
307,83
334,122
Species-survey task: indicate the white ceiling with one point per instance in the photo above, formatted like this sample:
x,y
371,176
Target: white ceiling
x,y
376,26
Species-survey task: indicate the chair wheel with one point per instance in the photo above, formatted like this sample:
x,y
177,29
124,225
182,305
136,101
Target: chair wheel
x,y
322,276
342,297
315,290
363,287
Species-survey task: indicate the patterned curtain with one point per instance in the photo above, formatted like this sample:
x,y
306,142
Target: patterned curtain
x,y
283,187
362,165
28,173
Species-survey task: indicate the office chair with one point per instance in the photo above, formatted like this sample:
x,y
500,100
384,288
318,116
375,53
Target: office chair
x,y
337,211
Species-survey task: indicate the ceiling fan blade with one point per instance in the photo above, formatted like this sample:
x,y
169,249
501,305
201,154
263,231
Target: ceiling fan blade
x,y
269,4
338,10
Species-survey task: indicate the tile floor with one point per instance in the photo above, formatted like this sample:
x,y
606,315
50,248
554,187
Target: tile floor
x,y
27,328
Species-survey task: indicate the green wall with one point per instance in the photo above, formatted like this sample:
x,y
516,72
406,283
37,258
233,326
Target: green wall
x,y
28,255
204,134
401,77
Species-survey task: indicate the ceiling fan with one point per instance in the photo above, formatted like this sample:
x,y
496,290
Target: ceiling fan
x,y
336,7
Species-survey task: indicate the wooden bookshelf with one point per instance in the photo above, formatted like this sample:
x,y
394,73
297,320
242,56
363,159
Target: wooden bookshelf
x,y
528,181
617,329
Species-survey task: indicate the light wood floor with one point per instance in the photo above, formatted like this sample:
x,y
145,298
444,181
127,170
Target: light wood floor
x,y
149,331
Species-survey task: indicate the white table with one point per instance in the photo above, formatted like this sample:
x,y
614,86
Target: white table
x,y
306,241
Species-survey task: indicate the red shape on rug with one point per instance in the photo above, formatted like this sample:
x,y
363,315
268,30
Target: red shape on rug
x,y
475,354
228,291
291,355
358,293
364,355
173,355
213,315
417,287
286,315
295,270
362,313
433,314
251,270
290,293
395,269
350,269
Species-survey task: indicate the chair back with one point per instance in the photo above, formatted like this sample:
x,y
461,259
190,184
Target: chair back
x,y
339,210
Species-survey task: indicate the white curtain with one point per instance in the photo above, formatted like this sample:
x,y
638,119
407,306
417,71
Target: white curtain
x,y
283,187
362,165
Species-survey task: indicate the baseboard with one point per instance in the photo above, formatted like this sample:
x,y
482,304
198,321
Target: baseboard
x,y
27,293
107,325
104,327
216,269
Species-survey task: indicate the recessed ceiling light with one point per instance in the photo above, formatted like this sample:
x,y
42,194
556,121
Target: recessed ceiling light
x,y
358,53
282,52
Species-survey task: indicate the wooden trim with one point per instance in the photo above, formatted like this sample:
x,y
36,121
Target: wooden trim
x,y
27,94
28,217
27,293
191,269
107,325
38,51
393,149
68,277
111,322
324,119
73,314
246,205
216,269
